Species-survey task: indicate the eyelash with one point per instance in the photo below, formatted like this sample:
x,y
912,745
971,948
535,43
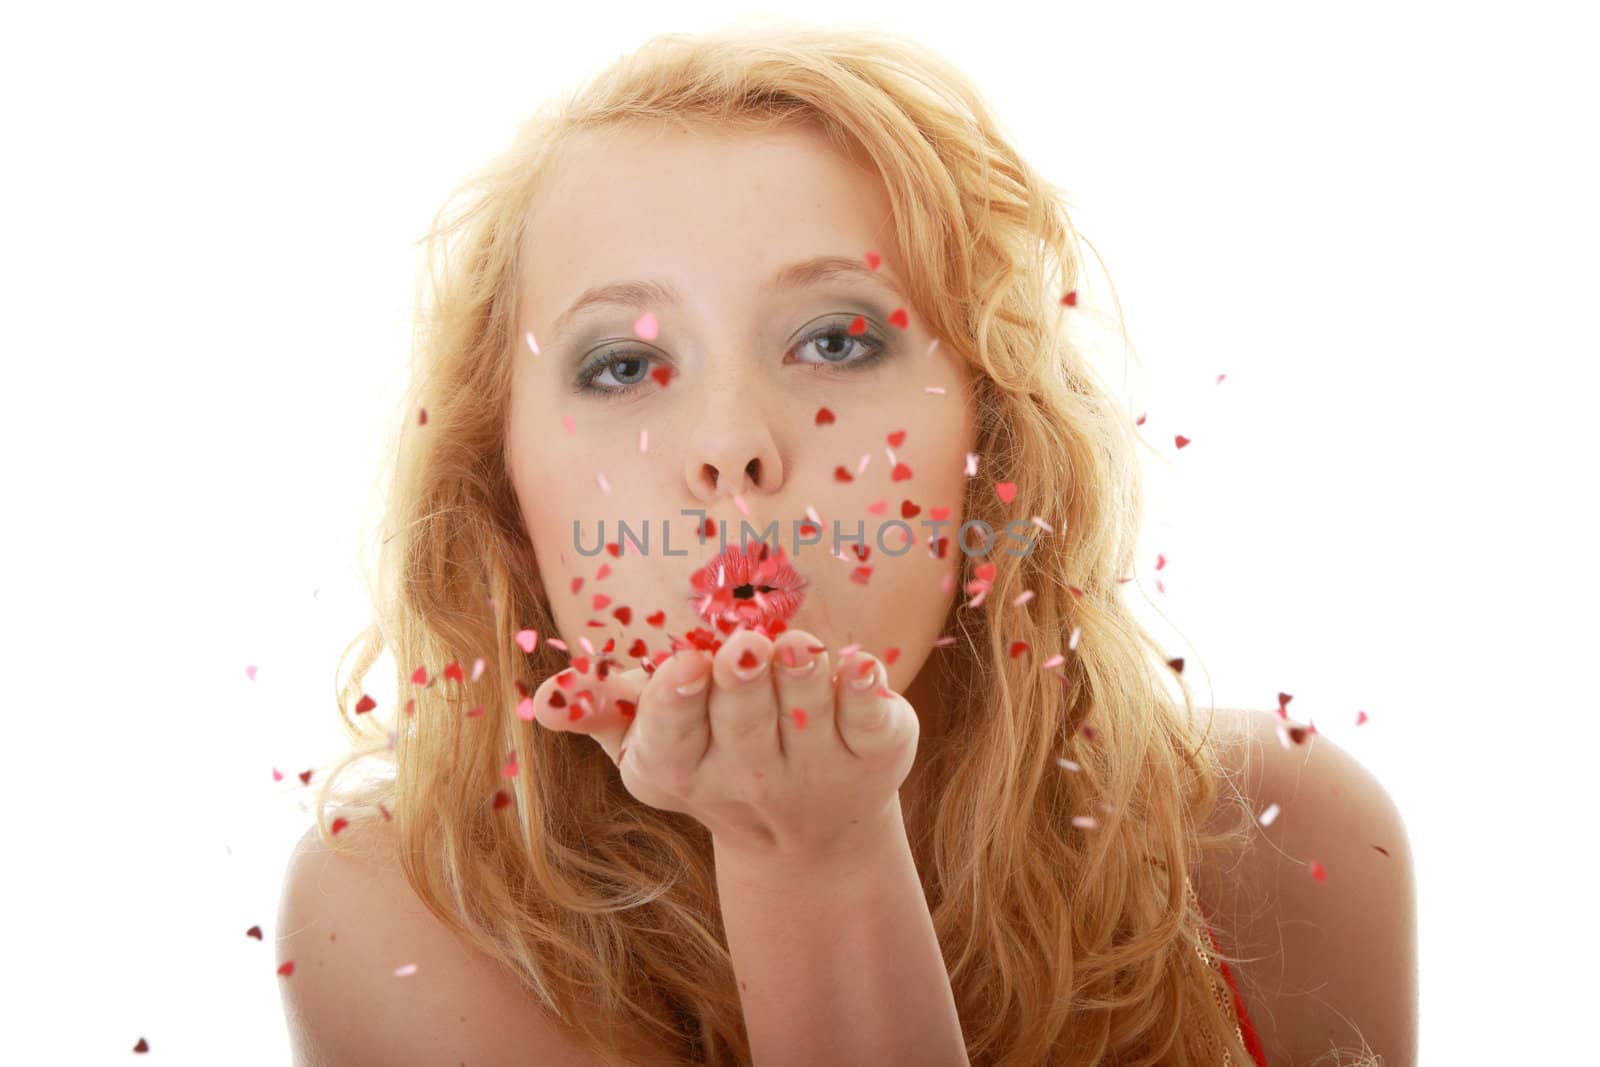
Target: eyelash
x,y
878,350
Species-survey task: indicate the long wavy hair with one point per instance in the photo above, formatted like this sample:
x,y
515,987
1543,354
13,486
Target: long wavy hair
x,y
1065,943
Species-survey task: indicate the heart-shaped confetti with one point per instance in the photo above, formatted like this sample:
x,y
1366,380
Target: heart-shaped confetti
x,y
857,327
646,326
939,514
365,704
908,510
878,507
900,318
840,474
873,259
1181,440
1006,491
897,438
658,619
662,374
527,640
824,417
251,671
901,472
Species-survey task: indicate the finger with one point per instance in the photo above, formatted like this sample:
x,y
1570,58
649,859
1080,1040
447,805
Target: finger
x,y
670,734
803,675
601,707
743,711
869,714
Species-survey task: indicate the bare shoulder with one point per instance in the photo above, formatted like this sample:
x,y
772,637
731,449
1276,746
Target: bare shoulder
x,y
351,925
1322,908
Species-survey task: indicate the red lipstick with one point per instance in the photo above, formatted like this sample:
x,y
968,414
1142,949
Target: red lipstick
x,y
754,585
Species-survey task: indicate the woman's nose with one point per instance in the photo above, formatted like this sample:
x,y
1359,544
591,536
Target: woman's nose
x,y
733,452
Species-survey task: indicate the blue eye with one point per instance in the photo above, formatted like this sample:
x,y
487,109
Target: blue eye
x,y
640,361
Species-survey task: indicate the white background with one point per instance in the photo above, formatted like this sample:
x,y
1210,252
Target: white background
x,y
1377,220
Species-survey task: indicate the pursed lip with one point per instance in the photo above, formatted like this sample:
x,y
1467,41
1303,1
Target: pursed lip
x,y
753,585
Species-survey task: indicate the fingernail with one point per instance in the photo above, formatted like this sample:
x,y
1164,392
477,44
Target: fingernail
x,y
866,676
797,663
689,689
749,666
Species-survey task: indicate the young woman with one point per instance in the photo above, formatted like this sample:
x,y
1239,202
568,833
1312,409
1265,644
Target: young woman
x,y
849,749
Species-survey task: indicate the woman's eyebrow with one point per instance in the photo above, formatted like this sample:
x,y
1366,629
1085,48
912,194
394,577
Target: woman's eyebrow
x,y
646,294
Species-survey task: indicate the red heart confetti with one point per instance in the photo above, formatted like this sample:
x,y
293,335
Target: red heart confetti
x,y
600,601
615,548
939,514
628,709
861,551
1018,648
890,655
366,703
873,259
899,318
901,472
453,672
577,584
1071,299
142,1046
1181,440
748,660
638,650
419,676
624,615
824,417
658,619
799,718
842,475
338,824
860,575
501,799
662,374
422,417
1318,871
897,438
287,968
908,510
255,931
1006,491
857,327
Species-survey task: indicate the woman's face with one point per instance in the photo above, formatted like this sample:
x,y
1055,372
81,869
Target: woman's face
x,y
594,438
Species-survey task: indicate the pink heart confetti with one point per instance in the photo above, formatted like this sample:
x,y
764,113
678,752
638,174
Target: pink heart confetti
x,y
644,440
1268,817
972,464
527,640
566,420
646,326
1006,491
405,972
533,346
878,507
939,514
251,671
873,259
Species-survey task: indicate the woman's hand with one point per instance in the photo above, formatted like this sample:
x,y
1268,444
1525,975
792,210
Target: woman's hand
x,y
781,763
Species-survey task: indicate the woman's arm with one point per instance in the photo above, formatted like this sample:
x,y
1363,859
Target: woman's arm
x,y
839,965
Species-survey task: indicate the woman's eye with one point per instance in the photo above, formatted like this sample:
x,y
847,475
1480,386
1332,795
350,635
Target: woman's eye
x,y
834,344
